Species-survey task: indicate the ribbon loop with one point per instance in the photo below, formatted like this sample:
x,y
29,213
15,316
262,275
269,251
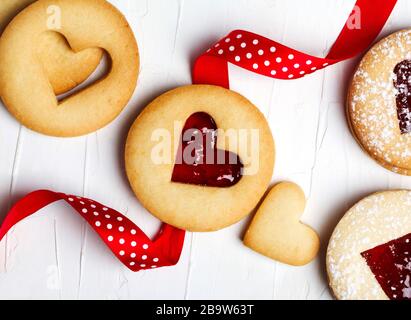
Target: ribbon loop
x,y
125,239
272,59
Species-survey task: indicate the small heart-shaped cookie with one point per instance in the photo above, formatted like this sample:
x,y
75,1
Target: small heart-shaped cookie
x,y
276,230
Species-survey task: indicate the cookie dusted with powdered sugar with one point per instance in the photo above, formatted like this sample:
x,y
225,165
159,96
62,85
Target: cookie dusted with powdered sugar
x,y
369,253
379,102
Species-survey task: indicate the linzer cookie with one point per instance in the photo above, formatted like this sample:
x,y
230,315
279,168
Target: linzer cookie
x,y
369,254
379,102
200,157
65,68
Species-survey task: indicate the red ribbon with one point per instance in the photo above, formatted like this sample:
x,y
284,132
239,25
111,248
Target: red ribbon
x,y
242,48
272,59
126,240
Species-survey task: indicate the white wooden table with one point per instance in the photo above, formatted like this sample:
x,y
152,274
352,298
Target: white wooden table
x,y
55,255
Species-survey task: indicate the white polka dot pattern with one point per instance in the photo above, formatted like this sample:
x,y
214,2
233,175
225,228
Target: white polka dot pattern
x,y
132,246
264,56
125,239
272,59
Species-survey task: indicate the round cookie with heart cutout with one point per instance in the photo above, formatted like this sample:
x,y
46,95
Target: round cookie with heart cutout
x,y
24,84
200,157
369,253
65,68
379,102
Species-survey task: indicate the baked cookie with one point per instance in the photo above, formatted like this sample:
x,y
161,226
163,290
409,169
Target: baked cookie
x,y
369,253
379,102
191,175
24,84
276,230
65,69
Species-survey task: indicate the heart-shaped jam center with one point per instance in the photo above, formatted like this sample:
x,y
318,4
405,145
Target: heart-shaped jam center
x,y
391,265
198,160
402,83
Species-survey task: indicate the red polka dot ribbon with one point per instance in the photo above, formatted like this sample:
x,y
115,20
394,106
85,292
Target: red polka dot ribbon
x,y
272,59
244,49
126,240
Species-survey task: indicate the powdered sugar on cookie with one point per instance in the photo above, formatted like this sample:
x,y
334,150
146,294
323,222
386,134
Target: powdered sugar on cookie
x,y
372,105
376,220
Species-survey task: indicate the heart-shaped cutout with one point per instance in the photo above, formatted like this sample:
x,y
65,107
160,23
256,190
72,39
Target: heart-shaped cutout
x,y
31,98
199,161
64,67
276,230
